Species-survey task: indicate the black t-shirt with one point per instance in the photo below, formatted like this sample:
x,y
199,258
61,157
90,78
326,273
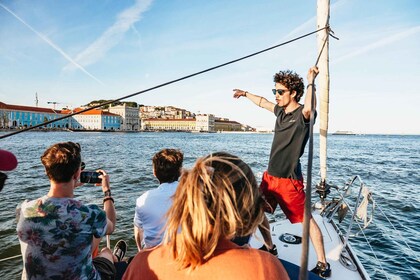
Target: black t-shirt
x,y
291,133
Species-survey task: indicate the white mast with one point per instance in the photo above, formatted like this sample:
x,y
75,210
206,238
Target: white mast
x,y
323,85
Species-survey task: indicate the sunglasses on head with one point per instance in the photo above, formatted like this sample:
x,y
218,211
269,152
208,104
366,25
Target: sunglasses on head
x,y
279,91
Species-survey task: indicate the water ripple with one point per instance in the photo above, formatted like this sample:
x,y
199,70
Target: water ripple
x,y
389,165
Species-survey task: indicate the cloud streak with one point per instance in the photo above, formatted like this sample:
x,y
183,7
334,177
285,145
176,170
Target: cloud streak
x,y
52,44
113,35
311,23
381,43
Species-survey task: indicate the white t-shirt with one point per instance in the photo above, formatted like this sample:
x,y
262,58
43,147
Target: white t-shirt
x,y
151,208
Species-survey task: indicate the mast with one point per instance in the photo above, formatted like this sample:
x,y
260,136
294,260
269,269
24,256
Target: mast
x,y
323,17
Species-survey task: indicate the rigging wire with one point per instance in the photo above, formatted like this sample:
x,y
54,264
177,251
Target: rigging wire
x,y
399,233
362,230
164,84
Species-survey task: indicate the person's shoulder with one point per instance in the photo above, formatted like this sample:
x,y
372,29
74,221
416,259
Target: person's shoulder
x,y
33,202
272,264
144,196
278,110
168,187
138,266
149,256
266,256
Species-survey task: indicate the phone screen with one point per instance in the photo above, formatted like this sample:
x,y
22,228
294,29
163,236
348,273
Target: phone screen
x,y
90,177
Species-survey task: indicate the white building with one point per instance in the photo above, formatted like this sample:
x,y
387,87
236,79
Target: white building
x,y
130,119
95,120
204,122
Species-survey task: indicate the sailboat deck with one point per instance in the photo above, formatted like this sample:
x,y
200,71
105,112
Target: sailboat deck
x,y
292,252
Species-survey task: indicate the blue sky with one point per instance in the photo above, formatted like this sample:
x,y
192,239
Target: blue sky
x,y
72,52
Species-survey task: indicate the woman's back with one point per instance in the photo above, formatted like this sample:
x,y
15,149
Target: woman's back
x,y
229,261
216,201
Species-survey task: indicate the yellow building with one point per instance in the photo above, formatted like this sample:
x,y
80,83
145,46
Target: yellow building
x,y
169,124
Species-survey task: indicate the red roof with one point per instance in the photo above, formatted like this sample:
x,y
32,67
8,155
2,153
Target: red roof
x,y
28,108
51,111
90,112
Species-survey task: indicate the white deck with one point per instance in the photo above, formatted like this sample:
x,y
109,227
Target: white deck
x,y
292,252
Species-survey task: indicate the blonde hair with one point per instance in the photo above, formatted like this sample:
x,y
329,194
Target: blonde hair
x,y
217,199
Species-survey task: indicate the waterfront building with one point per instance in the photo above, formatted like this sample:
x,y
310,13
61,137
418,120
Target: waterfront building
x,y
227,125
17,116
117,118
205,123
130,117
94,119
169,124
164,112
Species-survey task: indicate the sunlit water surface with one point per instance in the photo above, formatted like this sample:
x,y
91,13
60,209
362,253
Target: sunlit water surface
x,y
389,165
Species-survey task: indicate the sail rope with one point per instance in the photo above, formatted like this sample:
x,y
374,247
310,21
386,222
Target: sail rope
x,y
165,84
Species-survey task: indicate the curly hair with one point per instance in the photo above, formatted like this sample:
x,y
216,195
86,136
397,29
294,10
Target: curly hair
x,y
291,81
217,199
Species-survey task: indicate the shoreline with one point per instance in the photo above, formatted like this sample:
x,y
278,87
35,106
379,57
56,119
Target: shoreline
x,y
5,130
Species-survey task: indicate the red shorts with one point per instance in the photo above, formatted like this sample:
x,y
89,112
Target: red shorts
x,y
286,192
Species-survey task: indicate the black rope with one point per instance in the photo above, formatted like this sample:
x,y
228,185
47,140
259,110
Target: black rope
x,y
162,85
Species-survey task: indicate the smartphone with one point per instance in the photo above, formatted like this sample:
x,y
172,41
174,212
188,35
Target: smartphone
x,y
90,177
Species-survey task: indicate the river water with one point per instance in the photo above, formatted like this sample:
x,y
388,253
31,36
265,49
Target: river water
x,y
388,164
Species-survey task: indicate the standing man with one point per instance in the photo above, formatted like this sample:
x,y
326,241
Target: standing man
x,y
282,183
151,207
57,232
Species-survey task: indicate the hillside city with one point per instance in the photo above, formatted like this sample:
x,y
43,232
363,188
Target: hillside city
x,y
126,116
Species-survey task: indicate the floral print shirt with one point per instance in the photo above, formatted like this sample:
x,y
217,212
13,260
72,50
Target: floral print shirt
x,y
56,238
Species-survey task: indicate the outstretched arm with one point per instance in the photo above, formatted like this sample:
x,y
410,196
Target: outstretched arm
x,y
312,73
258,100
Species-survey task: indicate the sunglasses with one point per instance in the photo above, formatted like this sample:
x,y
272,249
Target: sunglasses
x,y
82,165
279,91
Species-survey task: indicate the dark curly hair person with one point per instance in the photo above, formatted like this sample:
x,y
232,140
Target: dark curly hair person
x,y
282,183
292,81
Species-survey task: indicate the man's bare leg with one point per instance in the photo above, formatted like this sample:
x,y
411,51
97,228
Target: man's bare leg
x,y
265,232
317,240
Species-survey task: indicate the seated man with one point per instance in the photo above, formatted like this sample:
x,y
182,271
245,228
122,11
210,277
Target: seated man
x,y
57,232
151,207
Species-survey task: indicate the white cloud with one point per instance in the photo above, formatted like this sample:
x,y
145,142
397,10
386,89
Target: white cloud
x,y
52,44
311,23
113,35
381,43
